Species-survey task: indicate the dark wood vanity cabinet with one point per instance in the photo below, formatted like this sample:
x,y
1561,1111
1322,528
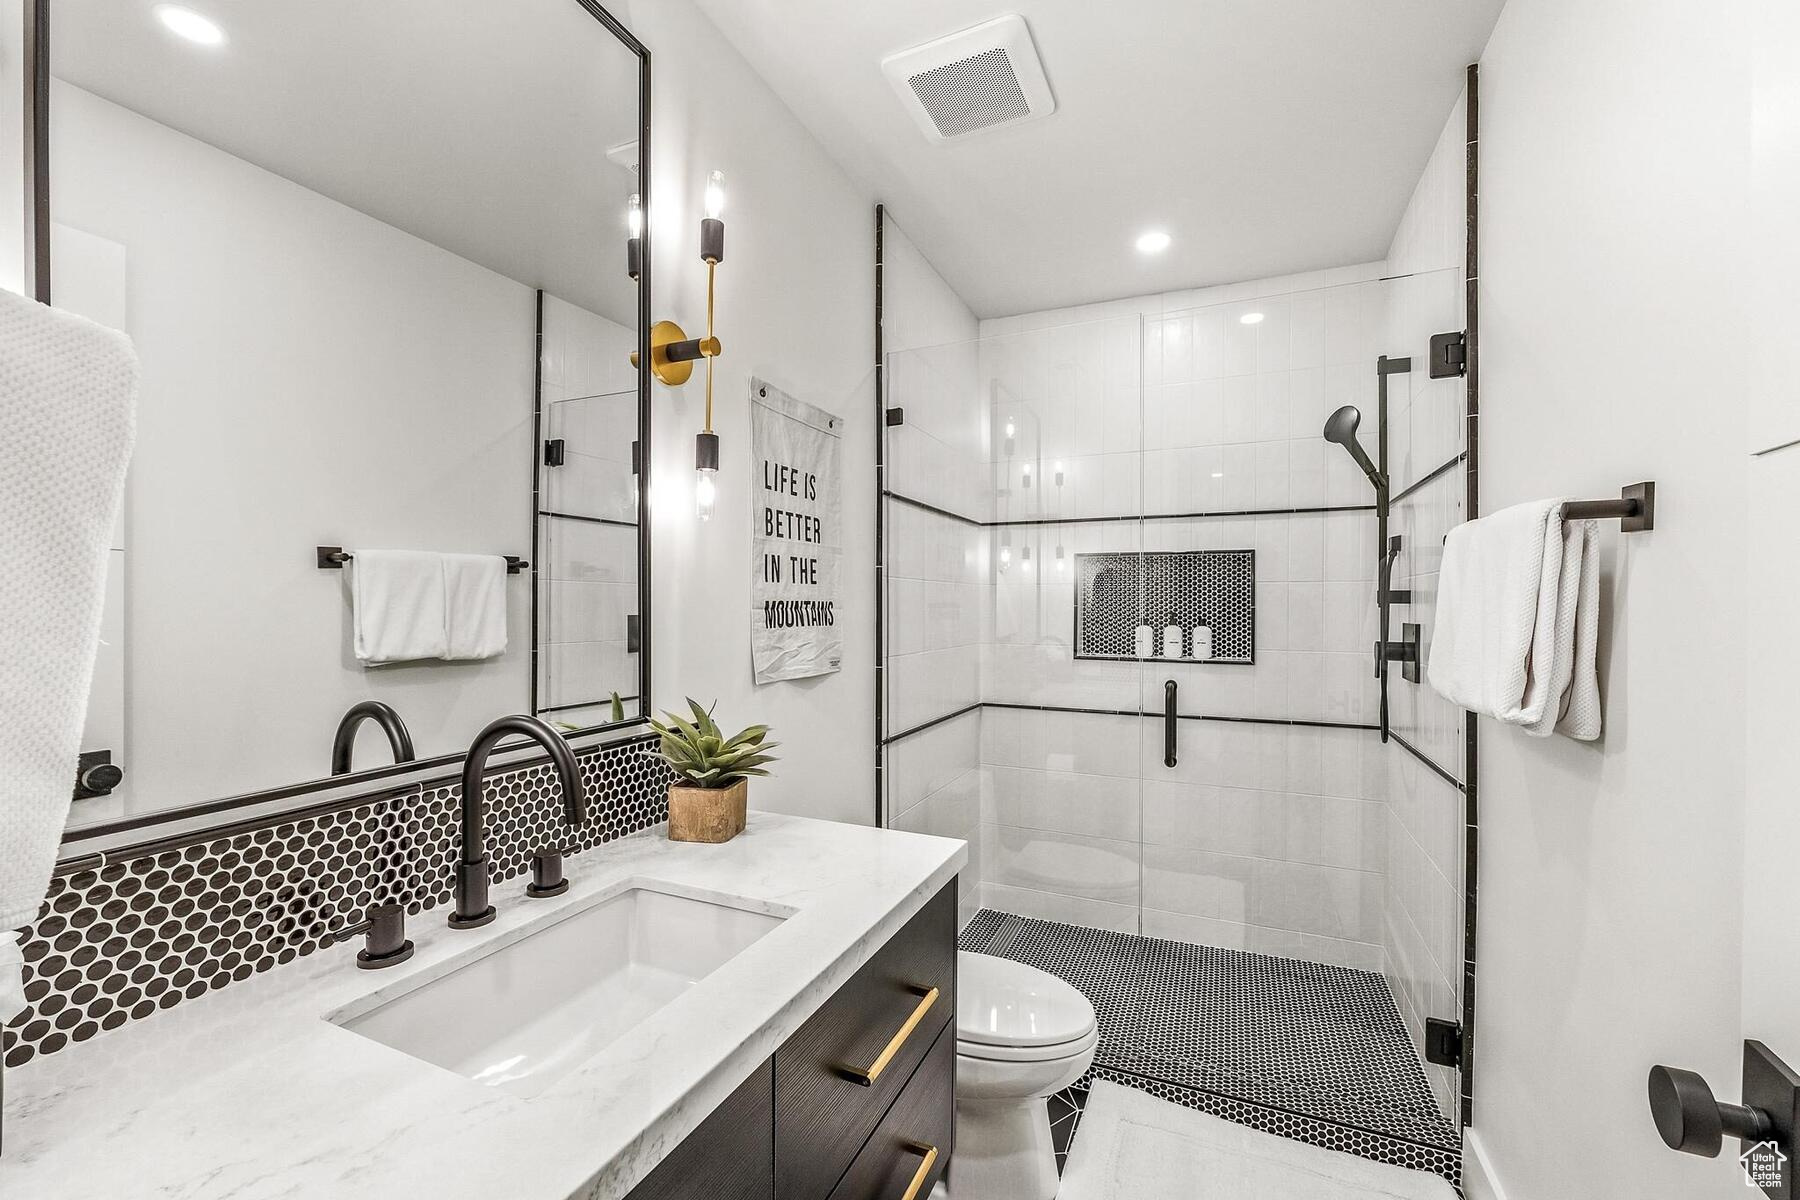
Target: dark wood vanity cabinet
x,y
730,1157
859,1104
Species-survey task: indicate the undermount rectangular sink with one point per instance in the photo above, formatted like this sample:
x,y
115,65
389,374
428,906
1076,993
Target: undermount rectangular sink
x,y
528,1013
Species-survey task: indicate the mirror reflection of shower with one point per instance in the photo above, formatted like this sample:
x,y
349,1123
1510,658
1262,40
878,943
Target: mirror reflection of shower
x,y
1340,427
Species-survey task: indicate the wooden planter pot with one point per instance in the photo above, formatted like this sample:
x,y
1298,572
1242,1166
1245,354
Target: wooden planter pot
x,y
699,814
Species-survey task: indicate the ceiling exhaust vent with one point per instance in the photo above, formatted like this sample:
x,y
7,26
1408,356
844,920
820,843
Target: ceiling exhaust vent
x,y
987,77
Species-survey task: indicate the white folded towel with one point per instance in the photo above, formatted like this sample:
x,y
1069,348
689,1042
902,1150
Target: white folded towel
x,y
1518,620
67,394
475,605
397,606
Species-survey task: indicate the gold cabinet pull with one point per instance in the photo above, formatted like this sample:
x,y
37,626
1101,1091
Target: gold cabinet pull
x,y
873,1072
924,1171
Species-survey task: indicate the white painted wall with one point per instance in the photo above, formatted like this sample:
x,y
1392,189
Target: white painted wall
x,y
1615,154
795,307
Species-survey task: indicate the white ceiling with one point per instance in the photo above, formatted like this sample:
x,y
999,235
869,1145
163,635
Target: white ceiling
x,y
1266,136
483,131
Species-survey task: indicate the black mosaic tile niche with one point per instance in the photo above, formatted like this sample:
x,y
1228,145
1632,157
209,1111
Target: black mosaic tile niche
x,y
1115,593
141,935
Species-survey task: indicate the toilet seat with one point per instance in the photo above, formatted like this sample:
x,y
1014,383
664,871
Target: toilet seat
x,y
1009,1012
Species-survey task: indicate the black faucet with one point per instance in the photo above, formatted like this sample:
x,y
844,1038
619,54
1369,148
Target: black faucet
x,y
472,908
343,744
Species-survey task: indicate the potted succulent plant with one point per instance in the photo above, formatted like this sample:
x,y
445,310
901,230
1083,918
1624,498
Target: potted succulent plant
x,y
709,802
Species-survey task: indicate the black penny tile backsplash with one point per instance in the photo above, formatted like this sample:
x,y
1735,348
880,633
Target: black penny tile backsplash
x,y
139,935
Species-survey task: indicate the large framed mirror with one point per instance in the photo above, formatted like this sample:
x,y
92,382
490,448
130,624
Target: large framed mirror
x,y
376,261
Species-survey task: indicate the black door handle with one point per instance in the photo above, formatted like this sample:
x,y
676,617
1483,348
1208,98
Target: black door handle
x,y
1169,723
1692,1120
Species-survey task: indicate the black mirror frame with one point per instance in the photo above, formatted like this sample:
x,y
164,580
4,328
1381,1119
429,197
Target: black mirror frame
x,y
266,807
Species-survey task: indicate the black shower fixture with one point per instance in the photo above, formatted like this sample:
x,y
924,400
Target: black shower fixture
x,y
1340,427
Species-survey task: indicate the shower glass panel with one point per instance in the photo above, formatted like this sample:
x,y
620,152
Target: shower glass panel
x,y
1266,906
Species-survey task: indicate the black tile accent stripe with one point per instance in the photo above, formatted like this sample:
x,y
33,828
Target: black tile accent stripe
x,y
1300,1049
1124,518
1124,712
143,934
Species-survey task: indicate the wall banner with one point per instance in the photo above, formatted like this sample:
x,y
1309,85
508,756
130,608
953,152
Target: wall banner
x,y
796,536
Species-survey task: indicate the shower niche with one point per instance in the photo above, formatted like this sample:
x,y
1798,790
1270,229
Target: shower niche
x,y
1117,593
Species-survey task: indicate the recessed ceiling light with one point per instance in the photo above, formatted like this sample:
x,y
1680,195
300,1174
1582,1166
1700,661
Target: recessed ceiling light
x,y
1153,242
1251,318
185,22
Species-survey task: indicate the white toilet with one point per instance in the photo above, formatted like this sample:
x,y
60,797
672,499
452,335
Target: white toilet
x,y
1021,1036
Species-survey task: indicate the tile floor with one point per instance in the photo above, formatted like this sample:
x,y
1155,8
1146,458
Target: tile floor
x,y
1312,1052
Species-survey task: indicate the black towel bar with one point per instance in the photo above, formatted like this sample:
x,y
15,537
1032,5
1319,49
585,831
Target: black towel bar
x,y
1635,509
333,558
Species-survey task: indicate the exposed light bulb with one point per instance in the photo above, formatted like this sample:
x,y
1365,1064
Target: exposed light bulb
x,y
705,493
1009,427
715,195
185,22
634,215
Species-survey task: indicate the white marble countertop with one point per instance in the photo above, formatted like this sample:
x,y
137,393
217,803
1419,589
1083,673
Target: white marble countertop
x,y
250,1093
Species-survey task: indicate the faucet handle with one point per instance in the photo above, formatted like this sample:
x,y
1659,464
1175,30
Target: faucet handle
x,y
386,943
547,874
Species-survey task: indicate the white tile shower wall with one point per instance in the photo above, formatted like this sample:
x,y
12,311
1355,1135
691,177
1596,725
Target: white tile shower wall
x,y
935,787
935,574
1263,837
1175,405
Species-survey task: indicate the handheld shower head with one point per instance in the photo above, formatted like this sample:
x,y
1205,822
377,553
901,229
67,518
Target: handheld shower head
x,y
1340,427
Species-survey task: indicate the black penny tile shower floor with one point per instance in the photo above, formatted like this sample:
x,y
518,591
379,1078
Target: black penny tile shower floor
x,y
1305,1050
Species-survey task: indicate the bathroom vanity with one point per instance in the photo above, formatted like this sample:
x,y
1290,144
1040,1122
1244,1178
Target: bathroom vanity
x,y
769,1017
811,1123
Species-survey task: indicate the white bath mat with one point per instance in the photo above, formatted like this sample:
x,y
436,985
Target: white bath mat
x,y
1132,1146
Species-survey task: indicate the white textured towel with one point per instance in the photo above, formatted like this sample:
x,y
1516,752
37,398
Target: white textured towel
x,y
67,391
475,605
1518,620
397,606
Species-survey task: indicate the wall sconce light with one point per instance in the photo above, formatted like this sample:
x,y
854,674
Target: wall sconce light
x,y
1027,475
673,353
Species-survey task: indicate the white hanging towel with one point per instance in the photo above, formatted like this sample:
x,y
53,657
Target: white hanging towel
x,y
475,605
67,395
398,606
1518,620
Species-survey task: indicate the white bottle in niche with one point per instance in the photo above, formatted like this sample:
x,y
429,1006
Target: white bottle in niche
x,y
1171,639
1203,642
1144,641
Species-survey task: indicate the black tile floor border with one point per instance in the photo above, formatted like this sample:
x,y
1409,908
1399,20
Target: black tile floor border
x,y
1304,1050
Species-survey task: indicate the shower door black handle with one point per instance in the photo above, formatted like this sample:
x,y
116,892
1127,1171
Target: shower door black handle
x,y
1169,723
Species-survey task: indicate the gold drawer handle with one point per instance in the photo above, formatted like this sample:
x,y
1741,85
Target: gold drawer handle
x,y
924,1171
869,1076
